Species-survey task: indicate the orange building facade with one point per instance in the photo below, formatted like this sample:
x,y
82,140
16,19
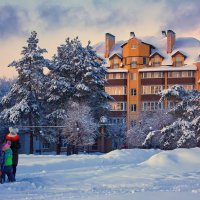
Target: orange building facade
x,y
139,69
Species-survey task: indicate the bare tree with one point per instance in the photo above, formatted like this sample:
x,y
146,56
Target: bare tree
x,y
145,123
81,129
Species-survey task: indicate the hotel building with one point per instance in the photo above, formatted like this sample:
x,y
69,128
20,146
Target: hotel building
x,y
139,69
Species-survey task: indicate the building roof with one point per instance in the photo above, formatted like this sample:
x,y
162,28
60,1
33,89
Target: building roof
x,y
168,68
188,46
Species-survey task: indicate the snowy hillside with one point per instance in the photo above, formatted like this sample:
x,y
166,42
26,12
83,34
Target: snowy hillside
x,y
131,174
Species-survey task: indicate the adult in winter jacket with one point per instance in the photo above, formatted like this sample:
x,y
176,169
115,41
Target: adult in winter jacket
x,y
14,138
7,162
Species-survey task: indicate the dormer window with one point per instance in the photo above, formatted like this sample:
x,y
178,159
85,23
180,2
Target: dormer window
x,y
178,61
156,62
116,63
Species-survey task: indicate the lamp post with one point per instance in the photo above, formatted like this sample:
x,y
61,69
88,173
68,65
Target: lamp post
x,y
103,121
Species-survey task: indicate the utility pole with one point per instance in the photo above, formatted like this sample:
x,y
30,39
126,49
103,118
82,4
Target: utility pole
x,y
30,113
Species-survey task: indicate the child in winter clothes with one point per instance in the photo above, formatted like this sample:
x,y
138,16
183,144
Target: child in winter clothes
x,y
7,162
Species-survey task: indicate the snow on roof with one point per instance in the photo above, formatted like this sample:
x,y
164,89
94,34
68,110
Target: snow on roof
x,y
117,70
116,49
188,46
100,49
169,68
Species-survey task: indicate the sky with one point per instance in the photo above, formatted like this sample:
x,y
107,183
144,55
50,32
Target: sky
x,y
55,20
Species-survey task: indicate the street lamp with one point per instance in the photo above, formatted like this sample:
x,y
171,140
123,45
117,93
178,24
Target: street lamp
x,y
103,121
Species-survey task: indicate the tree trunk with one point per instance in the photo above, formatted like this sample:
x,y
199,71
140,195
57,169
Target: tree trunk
x,y
31,142
58,146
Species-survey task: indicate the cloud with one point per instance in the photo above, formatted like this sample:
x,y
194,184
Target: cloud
x,y
98,14
12,21
182,15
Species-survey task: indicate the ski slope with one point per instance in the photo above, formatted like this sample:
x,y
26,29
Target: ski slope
x,y
121,174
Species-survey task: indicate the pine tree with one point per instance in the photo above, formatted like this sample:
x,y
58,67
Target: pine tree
x,y
76,75
22,105
185,131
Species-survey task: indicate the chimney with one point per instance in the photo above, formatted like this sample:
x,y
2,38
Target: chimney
x,y
132,34
109,42
164,34
171,37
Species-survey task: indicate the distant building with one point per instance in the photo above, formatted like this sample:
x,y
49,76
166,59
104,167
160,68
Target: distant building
x,y
139,69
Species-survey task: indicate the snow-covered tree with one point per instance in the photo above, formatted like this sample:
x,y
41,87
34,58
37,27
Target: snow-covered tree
x,y
5,85
80,75
185,131
81,129
22,105
145,123
77,74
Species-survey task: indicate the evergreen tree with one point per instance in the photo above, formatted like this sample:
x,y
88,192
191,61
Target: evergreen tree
x,y
22,105
77,74
185,131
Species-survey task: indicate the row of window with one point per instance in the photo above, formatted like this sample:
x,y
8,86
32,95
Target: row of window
x,y
120,90
121,106
116,120
170,74
181,74
146,89
132,61
133,76
116,76
152,89
152,105
146,106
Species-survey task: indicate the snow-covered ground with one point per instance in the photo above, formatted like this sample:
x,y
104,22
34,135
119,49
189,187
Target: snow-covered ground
x,y
121,174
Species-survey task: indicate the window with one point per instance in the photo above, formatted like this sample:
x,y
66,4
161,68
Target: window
x,y
133,107
133,76
144,61
156,61
182,74
152,89
133,46
133,92
152,105
133,123
110,76
152,75
178,61
116,63
116,120
118,106
116,90
133,62
116,76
